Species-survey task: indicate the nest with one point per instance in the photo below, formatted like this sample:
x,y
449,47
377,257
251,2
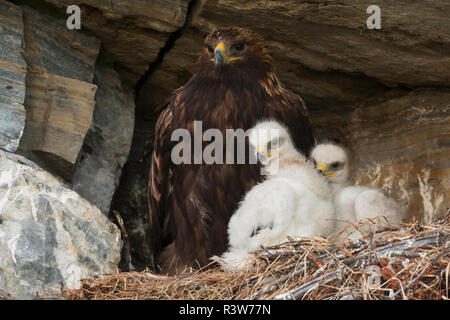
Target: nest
x,y
403,261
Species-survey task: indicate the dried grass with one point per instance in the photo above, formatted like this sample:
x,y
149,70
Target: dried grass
x,y
405,261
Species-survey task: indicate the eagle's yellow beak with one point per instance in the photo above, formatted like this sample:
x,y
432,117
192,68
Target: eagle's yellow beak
x,y
221,57
322,167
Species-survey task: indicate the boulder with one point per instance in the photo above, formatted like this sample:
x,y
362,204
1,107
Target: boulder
x,y
107,144
50,237
12,76
59,92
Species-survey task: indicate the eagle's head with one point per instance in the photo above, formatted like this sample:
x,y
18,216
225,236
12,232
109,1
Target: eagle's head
x,y
233,49
331,160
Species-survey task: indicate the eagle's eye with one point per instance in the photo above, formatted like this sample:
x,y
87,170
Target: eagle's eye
x,y
210,49
239,46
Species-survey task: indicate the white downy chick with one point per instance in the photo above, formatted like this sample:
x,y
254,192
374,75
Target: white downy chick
x,y
292,201
352,203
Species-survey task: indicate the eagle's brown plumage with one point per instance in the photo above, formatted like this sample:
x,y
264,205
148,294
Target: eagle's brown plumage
x,y
190,205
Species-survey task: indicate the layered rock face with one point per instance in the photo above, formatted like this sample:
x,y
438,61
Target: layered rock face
x,y
59,91
133,31
64,110
400,145
12,77
50,237
108,141
324,50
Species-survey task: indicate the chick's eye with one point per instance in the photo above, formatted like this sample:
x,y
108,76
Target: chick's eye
x,y
335,165
210,49
273,144
239,46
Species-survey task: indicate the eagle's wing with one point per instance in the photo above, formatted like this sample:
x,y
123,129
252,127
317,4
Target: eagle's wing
x,y
160,174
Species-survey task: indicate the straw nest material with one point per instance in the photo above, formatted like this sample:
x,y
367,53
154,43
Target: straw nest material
x,y
404,261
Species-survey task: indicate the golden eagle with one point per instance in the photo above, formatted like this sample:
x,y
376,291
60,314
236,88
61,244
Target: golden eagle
x,y
233,87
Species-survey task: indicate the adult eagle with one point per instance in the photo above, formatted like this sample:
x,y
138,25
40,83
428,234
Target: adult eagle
x,y
233,87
